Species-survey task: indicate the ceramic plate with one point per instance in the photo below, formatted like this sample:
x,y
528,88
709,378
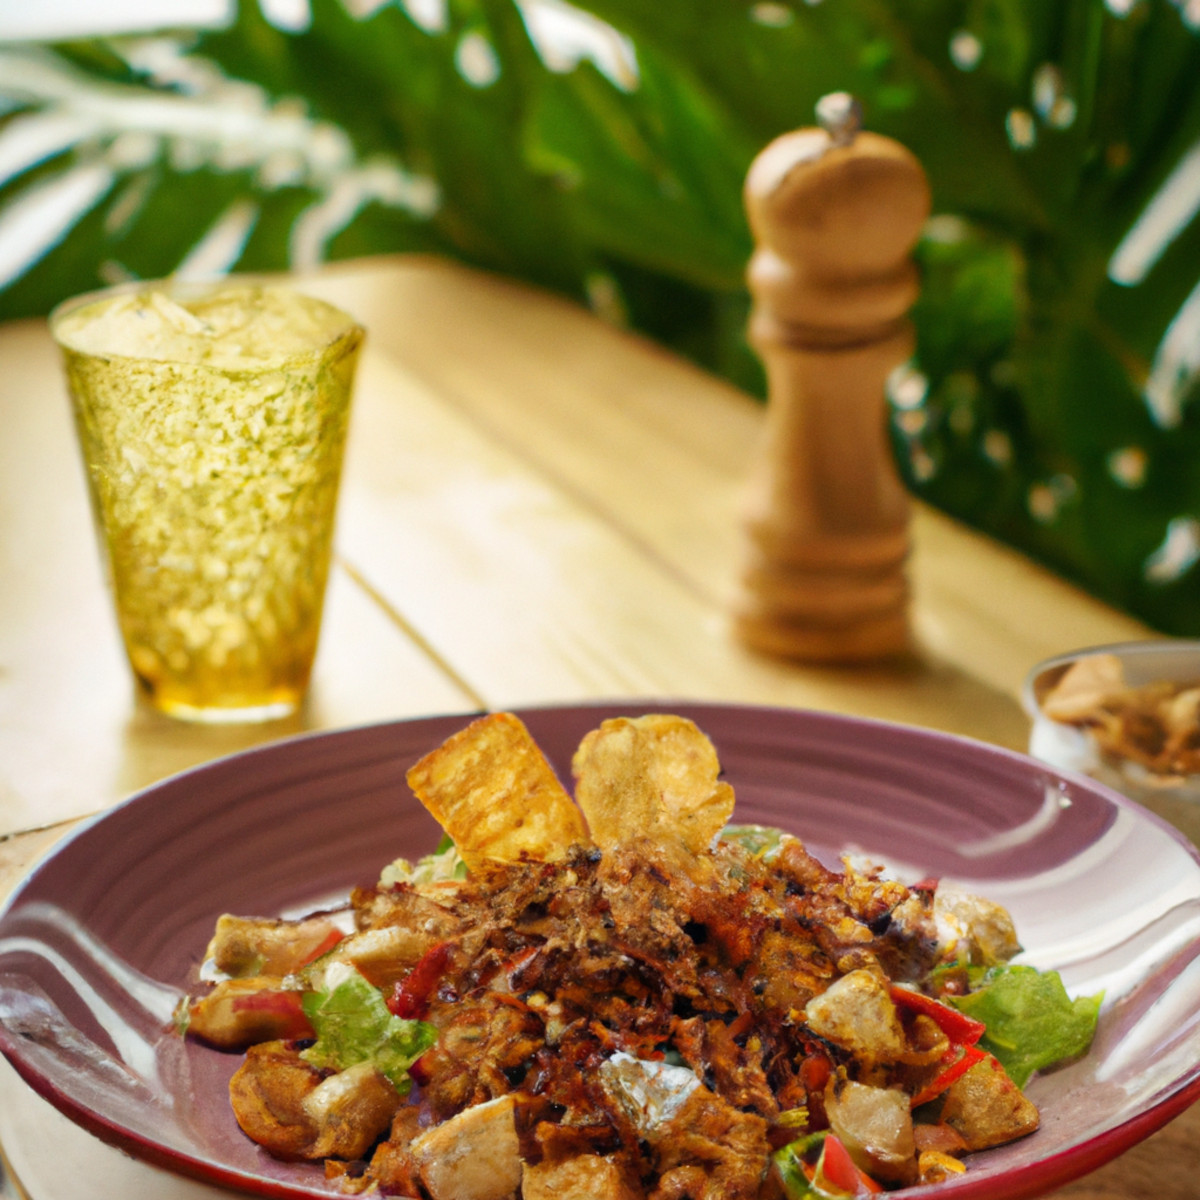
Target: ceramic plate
x,y
102,939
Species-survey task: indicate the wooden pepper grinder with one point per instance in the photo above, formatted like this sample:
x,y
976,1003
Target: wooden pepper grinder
x,y
835,213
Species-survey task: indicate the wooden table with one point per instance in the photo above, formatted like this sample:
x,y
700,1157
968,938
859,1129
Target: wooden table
x,y
536,507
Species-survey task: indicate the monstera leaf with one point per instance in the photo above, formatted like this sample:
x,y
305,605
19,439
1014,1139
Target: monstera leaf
x,y
1052,398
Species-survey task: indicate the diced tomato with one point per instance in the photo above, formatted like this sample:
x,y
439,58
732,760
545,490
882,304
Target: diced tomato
x,y
840,1170
960,1062
411,995
958,1027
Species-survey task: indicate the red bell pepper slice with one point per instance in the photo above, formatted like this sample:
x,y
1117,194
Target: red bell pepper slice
x,y
957,1026
841,1171
958,1067
410,996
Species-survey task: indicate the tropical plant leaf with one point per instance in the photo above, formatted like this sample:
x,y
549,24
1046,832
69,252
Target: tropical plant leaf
x,y
123,158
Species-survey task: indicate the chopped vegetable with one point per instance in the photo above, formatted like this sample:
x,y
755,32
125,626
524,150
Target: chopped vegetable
x,y
353,1025
836,1167
874,1125
1031,1022
820,1166
410,995
762,841
959,1061
960,1028
445,864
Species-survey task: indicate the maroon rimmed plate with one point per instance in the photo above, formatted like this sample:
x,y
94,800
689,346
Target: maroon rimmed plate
x,y
102,939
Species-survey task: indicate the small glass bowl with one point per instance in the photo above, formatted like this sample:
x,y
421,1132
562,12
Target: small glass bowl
x,y
1175,798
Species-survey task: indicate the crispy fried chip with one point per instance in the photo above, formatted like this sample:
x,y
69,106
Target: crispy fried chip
x,y
494,793
1086,685
651,776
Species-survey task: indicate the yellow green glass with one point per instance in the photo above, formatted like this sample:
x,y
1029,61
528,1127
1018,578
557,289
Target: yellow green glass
x,y
212,422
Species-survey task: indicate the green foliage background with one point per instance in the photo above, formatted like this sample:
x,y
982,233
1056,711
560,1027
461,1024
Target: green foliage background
x,y
1046,127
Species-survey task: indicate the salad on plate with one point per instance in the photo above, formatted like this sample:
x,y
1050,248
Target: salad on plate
x,y
618,994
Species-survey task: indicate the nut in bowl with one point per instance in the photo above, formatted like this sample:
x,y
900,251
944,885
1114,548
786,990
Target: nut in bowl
x,y
1127,715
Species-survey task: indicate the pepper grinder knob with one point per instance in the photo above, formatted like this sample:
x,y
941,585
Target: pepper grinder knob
x,y
835,213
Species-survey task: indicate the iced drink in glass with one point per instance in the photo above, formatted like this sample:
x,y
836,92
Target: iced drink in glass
x,y
212,421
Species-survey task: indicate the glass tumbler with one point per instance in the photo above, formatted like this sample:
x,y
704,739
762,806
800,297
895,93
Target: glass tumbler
x,y
212,420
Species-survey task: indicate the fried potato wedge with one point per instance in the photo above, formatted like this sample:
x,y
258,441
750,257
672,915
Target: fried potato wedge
x,y
652,776
492,790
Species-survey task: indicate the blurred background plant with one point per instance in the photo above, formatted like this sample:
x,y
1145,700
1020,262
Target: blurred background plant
x,y
600,149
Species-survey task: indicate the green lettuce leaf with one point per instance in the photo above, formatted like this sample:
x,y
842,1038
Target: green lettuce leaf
x,y
1032,1023
759,841
445,863
353,1025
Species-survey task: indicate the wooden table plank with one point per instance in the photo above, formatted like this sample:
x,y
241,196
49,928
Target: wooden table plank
x,y
535,598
